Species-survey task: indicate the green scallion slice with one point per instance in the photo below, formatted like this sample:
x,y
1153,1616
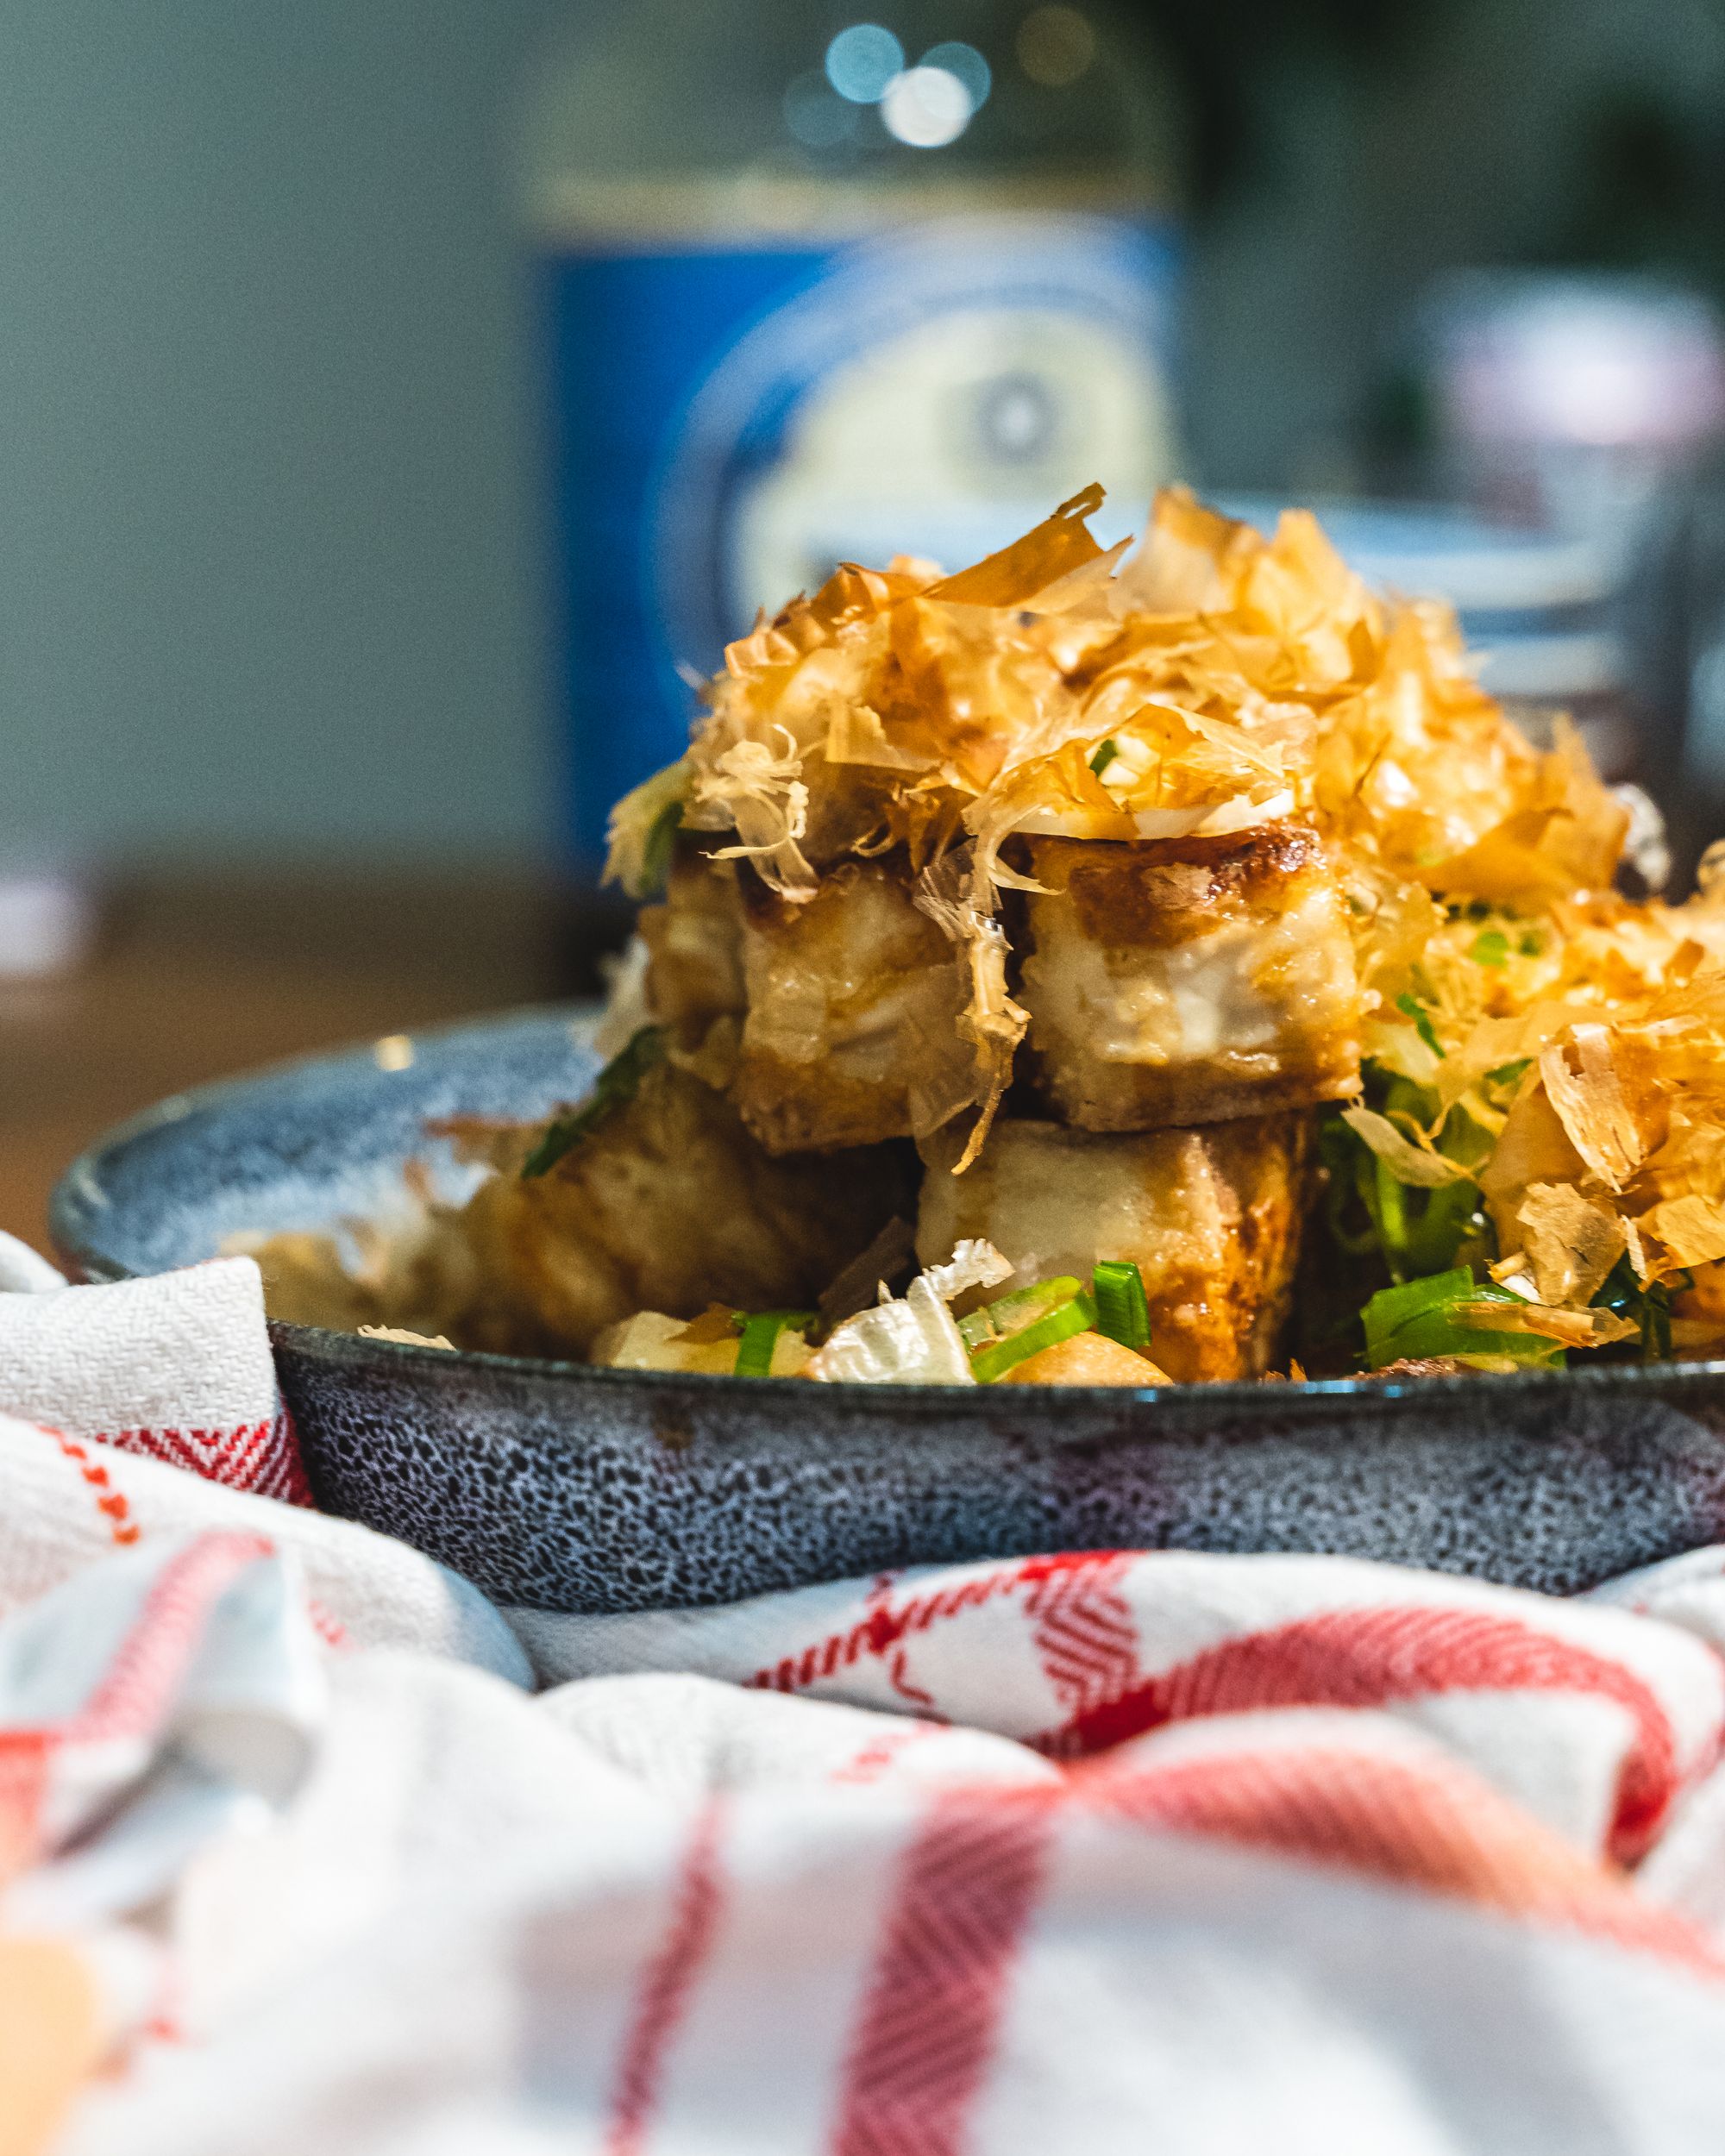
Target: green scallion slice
x,y
1489,948
1121,1311
761,1337
1105,756
1006,1313
1624,1294
1391,1308
1076,1313
1411,1008
661,847
977,1330
612,1089
1412,1324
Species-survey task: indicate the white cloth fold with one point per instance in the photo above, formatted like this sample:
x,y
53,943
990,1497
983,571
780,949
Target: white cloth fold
x,y
23,1271
1089,1850
177,1367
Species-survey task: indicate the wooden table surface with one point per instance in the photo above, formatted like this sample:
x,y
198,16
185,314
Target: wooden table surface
x,y
200,976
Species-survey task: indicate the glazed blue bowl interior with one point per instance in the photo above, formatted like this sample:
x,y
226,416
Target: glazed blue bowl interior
x,y
557,1485
310,1145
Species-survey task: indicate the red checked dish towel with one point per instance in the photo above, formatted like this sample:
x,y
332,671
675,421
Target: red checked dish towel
x,y
1086,1853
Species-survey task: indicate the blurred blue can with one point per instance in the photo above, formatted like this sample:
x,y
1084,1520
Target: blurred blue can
x,y
817,290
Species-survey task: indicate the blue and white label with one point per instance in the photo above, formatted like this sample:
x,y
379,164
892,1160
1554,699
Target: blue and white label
x,y
734,423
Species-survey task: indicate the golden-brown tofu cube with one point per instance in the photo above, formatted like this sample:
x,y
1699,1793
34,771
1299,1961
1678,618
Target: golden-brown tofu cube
x,y
1088,1358
668,1205
695,943
854,999
1188,981
1210,1217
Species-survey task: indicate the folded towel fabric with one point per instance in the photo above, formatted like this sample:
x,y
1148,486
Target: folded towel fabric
x,y
177,1367
1091,1851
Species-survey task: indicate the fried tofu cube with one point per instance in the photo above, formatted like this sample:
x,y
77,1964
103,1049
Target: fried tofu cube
x,y
1088,1358
854,998
1188,981
694,943
668,1205
1210,1217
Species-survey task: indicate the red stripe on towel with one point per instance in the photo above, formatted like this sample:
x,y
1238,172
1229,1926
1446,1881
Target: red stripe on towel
x,y
965,1892
1373,1657
665,1987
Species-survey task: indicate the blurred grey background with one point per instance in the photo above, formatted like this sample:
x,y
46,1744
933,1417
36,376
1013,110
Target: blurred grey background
x,y
265,523
271,511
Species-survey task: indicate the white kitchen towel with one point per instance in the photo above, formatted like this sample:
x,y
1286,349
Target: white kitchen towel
x,y
177,1367
1594,1719
414,1910
64,1503
1093,1851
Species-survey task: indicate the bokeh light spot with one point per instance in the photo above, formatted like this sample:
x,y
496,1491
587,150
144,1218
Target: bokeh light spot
x,y
817,116
862,60
1055,45
926,108
968,64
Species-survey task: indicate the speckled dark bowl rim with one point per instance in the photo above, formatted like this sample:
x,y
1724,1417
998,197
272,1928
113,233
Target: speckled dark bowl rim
x,y
1229,1400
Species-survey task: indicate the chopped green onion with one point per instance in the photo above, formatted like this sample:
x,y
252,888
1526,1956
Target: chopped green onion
x,y
1392,1307
1450,1218
1077,1313
761,1337
1024,1305
660,845
1464,1140
613,1088
1656,1322
1411,1008
977,1330
1489,948
1620,1291
1416,1232
1346,1156
1507,1075
1104,756
1386,1200
1435,1224
1623,1294
1010,1314
1411,1322
1122,1313
1403,1098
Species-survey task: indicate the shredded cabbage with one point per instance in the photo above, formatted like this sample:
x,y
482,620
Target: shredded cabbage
x,y
912,1339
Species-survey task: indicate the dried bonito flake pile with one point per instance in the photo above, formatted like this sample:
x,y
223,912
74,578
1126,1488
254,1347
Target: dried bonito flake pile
x,y
1178,912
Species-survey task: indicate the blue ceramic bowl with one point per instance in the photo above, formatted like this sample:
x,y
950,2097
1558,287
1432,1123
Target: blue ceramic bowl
x,y
563,1487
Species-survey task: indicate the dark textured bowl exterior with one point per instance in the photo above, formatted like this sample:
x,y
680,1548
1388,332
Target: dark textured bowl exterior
x,y
562,1488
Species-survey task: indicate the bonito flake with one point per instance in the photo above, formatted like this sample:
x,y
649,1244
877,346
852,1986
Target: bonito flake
x,y
1141,857
1217,683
